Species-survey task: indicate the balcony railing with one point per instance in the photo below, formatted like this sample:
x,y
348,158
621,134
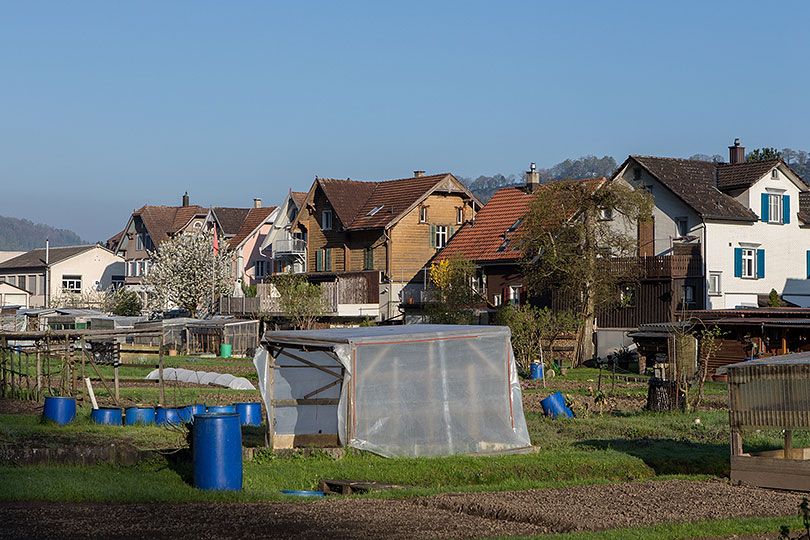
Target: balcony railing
x,y
661,266
293,246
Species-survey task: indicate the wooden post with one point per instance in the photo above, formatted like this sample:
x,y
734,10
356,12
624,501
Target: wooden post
x,y
84,391
160,370
39,375
269,433
115,376
736,443
788,443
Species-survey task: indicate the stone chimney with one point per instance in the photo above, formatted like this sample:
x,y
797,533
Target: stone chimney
x,y
257,203
185,198
418,174
736,153
532,178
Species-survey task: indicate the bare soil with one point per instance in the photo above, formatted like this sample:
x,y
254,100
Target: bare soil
x,y
450,515
17,406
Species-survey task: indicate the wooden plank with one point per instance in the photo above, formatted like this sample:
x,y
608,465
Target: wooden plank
x,y
321,389
162,401
318,440
789,474
296,402
310,364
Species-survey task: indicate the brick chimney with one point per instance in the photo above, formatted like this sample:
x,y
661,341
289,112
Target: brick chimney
x,y
418,174
185,198
736,153
532,178
257,203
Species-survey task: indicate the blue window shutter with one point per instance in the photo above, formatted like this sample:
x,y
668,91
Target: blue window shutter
x,y
737,262
786,209
760,263
764,212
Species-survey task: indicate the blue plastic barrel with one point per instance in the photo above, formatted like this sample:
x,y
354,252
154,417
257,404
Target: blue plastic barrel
x,y
59,409
185,414
107,415
140,415
165,415
250,414
536,371
554,406
216,449
219,409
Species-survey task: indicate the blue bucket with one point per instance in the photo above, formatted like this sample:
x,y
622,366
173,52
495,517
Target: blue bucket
x,y
554,406
140,415
536,371
59,409
221,409
216,449
107,415
250,414
165,415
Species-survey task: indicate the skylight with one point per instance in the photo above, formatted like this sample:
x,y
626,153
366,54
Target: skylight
x,y
375,210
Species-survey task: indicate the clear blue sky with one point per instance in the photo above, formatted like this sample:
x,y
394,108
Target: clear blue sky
x,y
106,106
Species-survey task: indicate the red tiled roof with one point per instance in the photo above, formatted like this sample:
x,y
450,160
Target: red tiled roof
x,y
299,197
497,222
255,217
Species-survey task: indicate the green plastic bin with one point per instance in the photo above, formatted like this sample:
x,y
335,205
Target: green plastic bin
x,y
225,350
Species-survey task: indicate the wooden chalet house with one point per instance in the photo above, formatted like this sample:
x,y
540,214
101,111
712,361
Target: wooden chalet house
x,y
379,234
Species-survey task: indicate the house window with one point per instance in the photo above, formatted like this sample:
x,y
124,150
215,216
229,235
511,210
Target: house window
x,y
21,282
774,208
323,260
514,294
605,214
441,236
636,173
260,269
496,300
12,280
72,283
368,258
117,282
627,295
326,220
714,283
139,242
682,225
688,295
459,215
141,268
423,214
749,263
32,284
775,174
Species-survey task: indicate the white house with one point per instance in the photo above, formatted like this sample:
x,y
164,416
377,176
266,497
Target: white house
x,y
11,295
751,222
47,274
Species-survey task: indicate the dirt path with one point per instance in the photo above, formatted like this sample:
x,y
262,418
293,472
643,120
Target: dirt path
x,y
443,516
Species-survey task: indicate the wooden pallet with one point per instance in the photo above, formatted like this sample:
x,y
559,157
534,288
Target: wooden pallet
x,y
349,487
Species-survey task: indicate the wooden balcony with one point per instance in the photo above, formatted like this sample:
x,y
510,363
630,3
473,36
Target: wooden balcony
x,y
660,266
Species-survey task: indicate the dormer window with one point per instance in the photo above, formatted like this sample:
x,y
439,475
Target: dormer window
x,y
515,225
326,220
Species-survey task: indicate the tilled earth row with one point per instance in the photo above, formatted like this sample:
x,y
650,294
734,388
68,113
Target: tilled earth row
x,y
468,515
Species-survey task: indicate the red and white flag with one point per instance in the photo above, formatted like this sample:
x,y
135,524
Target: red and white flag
x,y
216,242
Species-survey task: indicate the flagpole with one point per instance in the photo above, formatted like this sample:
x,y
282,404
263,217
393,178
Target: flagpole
x,y
215,247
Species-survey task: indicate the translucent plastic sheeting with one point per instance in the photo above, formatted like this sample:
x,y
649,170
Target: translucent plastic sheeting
x,y
417,390
203,377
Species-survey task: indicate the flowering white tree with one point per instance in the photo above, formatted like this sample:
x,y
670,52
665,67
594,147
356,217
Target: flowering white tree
x,y
187,269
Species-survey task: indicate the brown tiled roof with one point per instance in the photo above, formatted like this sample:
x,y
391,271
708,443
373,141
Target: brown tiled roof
x,y
162,221
299,197
36,258
694,183
230,219
497,223
394,196
255,217
346,196
113,242
804,207
743,175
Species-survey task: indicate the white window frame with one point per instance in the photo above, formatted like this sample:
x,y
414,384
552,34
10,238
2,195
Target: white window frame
x,y
514,294
682,226
72,283
749,263
688,294
496,300
459,215
423,214
715,283
775,174
326,220
775,206
260,268
441,236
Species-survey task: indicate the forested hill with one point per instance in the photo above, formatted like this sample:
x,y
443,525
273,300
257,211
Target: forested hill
x,y
484,187
23,235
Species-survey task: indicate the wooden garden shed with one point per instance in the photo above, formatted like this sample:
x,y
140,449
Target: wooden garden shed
x,y
207,336
770,394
